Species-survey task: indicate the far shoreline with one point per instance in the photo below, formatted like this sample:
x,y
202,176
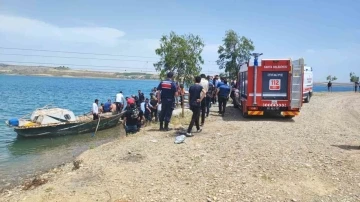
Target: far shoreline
x,y
76,77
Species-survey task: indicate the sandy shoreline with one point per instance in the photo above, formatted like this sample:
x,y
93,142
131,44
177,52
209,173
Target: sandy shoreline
x,y
312,158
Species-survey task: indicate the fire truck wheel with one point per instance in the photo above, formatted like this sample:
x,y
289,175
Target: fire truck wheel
x,y
307,99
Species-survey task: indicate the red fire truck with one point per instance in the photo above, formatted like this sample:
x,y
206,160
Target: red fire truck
x,y
275,86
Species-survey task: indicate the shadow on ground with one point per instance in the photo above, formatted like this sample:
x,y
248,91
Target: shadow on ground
x,y
234,114
347,147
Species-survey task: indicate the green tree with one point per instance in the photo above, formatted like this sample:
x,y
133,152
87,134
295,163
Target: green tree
x,y
234,51
180,54
353,77
331,78
224,74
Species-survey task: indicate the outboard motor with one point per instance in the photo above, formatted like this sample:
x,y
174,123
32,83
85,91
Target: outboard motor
x,y
13,122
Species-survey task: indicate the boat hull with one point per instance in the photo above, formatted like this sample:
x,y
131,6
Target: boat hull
x,y
69,128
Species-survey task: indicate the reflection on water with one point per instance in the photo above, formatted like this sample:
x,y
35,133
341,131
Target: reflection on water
x,y
46,153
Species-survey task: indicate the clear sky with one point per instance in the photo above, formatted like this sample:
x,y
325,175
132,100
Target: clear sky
x,y
325,33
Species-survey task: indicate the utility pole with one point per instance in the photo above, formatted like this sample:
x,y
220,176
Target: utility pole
x,y
256,64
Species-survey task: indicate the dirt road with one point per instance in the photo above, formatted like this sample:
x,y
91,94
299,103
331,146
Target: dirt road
x,y
314,157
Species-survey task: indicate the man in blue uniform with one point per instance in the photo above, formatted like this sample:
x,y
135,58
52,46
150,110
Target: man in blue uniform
x,y
223,95
166,97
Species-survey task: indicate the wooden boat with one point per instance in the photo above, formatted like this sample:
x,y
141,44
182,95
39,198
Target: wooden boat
x,y
54,121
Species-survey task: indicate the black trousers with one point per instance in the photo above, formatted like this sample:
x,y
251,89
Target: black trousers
x,y
222,104
194,119
208,104
167,108
95,116
203,110
154,114
214,99
119,106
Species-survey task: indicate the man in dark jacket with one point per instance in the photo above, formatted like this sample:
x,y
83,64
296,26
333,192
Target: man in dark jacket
x,y
166,97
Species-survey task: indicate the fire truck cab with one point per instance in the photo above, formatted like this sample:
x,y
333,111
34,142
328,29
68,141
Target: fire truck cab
x,y
275,86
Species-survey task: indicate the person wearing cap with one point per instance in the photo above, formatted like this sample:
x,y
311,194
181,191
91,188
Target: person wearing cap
x,y
166,97
132,117
95,109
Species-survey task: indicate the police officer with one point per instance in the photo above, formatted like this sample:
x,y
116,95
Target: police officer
x,y
166,97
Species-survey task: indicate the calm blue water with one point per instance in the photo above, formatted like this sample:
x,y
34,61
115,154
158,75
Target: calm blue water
x,y
22,94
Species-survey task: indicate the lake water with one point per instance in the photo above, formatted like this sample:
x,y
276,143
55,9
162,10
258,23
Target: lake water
x,y
20,95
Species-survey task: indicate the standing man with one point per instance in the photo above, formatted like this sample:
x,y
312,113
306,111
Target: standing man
x,y
95,109
166,97
205,84
209,96
141,96
220,83
329,85
215,82
357,86
223,95
196,95
120,101
153,103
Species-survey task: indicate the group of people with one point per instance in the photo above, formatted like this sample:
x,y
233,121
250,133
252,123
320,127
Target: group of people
x,y
356,86
139,111
202,94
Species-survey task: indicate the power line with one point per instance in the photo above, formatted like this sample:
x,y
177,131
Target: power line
x,y
81,53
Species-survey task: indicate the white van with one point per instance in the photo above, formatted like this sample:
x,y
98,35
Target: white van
x,y
308,84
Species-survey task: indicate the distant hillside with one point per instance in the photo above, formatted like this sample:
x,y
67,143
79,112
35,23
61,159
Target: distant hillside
x,y
63,71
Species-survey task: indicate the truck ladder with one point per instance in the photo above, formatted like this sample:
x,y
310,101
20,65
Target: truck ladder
x,y
296,83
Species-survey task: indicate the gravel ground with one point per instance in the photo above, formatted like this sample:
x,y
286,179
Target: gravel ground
x,y
310,158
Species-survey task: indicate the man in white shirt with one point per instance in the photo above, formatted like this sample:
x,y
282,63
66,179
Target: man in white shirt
x,y
95,110
120,100
205,84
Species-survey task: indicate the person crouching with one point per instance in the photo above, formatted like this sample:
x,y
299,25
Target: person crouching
x,y
132,117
